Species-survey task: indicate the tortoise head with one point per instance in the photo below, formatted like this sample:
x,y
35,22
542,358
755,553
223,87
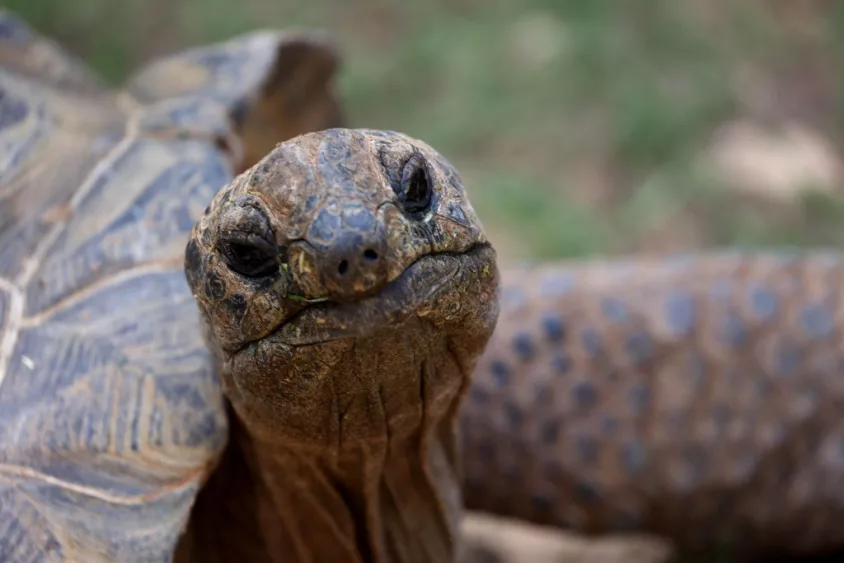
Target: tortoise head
x,y
347,287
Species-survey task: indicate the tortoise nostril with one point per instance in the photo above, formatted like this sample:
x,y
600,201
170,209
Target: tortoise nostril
x,y
369,256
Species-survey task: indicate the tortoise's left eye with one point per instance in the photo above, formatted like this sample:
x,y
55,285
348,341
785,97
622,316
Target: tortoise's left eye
x,y
415,190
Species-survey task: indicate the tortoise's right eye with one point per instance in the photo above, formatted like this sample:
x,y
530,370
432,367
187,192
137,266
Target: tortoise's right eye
x,y
249,254
246,241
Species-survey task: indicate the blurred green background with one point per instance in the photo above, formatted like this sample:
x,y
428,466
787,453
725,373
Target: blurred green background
x,y
580,127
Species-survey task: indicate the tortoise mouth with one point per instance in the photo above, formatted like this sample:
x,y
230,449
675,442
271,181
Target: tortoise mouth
x,y
414,292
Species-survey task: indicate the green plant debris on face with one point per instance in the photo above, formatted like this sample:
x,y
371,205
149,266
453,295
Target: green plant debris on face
x,y
283,283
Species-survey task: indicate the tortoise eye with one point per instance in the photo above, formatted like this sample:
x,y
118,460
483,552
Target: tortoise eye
x,y
415,190
247,244
249,254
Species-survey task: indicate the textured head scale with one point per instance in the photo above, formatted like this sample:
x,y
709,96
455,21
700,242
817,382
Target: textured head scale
x,y
331,264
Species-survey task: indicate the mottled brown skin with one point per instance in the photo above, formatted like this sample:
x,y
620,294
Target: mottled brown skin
x,y
348,289
695,397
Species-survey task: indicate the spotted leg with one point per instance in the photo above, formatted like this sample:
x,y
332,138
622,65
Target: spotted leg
x,y
698,397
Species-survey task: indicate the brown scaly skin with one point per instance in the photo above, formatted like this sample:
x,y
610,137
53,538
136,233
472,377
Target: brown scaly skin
x,y
348,288
695,397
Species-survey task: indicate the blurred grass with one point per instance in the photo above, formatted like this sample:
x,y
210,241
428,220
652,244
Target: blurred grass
x,y
578,126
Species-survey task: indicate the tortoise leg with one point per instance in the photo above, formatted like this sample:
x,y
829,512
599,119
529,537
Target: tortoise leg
x,y
694,397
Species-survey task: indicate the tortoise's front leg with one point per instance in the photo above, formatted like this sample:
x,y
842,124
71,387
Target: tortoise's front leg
x,y
694,397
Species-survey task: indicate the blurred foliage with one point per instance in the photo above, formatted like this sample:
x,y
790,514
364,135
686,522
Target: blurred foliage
x,y
578,126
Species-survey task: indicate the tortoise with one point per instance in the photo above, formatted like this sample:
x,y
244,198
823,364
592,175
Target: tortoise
x,y
116,441
289,360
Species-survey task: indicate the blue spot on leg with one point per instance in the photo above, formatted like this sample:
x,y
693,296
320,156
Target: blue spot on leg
x,y
679,313
553,327
500,373
817,321
763,302
523,346
585,394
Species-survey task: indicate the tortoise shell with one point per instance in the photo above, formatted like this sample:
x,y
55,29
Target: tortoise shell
x,y
110,411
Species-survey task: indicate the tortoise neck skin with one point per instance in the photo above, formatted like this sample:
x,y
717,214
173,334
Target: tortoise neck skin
x,y
348,289
384,484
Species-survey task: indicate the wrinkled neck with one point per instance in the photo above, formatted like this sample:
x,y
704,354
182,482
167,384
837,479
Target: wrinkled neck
x,y
386,488
396,503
